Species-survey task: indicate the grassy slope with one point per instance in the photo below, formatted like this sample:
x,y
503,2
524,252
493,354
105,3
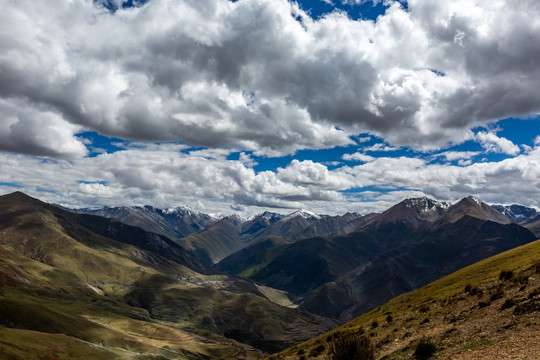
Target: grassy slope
x,y
215,243
55,305
467,325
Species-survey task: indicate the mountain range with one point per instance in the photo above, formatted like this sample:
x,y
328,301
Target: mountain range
x,y
134,280
334,265
407,246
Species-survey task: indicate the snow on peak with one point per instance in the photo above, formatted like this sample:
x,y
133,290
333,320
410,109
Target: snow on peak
x,y
475,200
306,214
182,209
266,215
425,204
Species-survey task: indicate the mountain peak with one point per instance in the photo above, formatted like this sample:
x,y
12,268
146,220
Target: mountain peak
x,y
413,211
182,209
267,215
471,206
306,214
424,204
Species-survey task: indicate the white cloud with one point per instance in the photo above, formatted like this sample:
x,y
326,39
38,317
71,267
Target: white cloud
x,y
363,139
381,147
358,157
162,176
176,71
95,189
458,155
308,172
492,143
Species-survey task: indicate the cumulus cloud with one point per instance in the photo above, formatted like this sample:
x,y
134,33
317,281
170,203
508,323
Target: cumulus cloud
x,y
492,143
381,147
179,70
458,155
29,130
509,181
358,157
163,176
264,78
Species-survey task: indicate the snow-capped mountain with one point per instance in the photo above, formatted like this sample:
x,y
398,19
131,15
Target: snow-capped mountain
x,y
517,213
174,223
306,214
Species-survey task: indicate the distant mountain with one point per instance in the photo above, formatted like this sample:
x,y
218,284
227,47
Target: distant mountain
x,y
470,206
291,224
213,239
174,223
258,223
331,225
517,213
233,233
217,241
401,249
93,286
412,212
534,225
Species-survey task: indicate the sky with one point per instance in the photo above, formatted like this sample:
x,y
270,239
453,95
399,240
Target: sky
x,y
252,105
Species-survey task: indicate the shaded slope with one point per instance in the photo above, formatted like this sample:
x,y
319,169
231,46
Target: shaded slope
x,y
534,226
425,257
331,225
307,264
253,257
217,242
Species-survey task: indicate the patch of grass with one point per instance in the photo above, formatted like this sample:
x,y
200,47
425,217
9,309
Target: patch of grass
x,y
497,293
351,346
425,349
506,275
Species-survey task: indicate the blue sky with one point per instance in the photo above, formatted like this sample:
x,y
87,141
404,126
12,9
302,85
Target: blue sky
x,y
246,106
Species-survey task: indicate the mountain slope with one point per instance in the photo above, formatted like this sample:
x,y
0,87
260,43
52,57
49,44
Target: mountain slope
x,y
59,276
534,226
232,233
330,225
218,241
253,257
488,310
